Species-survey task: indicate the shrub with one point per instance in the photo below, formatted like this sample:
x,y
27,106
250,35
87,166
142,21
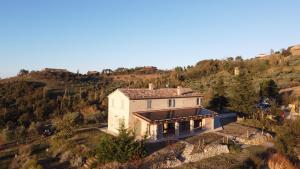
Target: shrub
x,y
74,117
8,134
31,163
234,147
24,160
122,148
279,161
33,129
62,141
286,138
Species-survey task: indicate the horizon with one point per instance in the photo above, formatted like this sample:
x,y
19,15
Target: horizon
x,y
97,35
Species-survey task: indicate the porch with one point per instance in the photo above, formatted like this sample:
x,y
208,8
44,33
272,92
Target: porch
x,y
177,123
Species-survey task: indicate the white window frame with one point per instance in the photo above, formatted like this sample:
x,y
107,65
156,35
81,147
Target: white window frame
x,y
198,101
171,102
149,104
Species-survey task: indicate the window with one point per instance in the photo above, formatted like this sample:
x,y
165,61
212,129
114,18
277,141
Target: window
x,y
149,104
148,129
171,102
198,102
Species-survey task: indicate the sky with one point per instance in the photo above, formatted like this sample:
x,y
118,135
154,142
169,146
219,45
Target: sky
x,y
96,34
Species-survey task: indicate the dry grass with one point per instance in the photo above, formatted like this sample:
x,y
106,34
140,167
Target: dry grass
x,y
225,161
200,141
238,130
278,161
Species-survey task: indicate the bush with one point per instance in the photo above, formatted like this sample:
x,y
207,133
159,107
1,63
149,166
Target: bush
x,y
8,134
31,163
122,148
234,147
279,161
74,117
62,140
24,160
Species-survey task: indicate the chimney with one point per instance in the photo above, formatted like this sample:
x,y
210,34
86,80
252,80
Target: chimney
x,y
151,86
179,90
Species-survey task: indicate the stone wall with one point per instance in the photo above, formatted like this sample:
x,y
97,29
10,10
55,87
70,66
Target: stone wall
x,y
187,156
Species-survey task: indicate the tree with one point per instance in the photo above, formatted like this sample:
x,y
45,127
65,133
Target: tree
x,y
230,59
238,58
286,138
219,99
23,72
122,148
62,141
269,89
242,95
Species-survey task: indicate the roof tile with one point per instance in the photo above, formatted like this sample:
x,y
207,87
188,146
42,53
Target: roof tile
x,y
158,93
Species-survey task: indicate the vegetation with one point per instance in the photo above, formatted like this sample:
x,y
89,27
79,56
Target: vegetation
x,y
122,148
269,89
62,140
24,160
35,99
243,97
219,100
287,138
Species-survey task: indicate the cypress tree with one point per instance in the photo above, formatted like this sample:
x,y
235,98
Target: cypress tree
x,y
242,95
219,99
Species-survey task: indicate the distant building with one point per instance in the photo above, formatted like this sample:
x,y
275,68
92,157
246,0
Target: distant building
x,y
92,72
53,70
236,71
158,113
261,55
152,68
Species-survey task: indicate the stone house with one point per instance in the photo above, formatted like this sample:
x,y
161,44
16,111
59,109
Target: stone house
x,y
158,113
236,71
53,70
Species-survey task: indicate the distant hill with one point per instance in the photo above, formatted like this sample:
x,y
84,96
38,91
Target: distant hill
x,y
42,95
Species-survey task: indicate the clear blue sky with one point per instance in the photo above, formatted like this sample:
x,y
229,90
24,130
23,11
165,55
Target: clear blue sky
x,y
97,34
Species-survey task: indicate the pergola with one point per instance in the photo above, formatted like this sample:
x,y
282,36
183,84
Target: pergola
x,y
159,119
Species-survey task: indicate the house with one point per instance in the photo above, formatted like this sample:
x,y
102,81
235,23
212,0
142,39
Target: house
x,y
158,113
92,73
261,56
53,70
236,71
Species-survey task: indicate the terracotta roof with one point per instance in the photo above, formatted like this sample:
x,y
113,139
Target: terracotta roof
x,y
177,114
158,93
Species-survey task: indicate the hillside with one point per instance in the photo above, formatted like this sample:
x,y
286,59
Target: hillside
x,y
42,95
30,101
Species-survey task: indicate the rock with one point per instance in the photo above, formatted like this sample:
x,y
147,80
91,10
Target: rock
x,y
187,156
